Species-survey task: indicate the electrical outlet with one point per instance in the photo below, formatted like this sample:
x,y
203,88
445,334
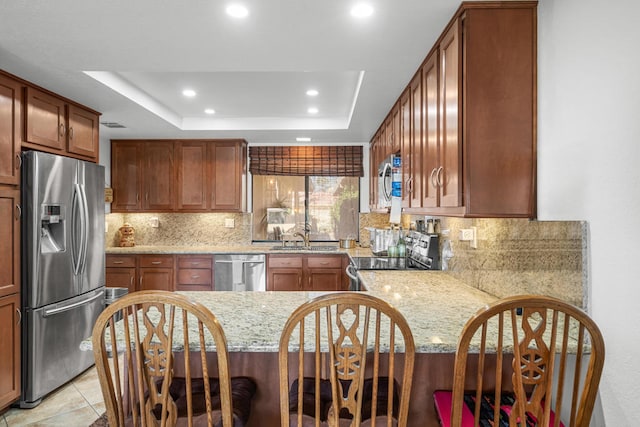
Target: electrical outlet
x,y
229,223
154,222
466,234
470,235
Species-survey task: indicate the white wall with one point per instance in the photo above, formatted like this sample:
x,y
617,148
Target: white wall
x,y
589,167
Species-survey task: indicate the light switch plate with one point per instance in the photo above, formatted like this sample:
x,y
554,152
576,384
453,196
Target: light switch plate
x,y
230,223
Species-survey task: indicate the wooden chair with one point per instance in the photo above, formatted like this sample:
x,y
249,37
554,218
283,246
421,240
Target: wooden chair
x,y
356,360
151,380
552,372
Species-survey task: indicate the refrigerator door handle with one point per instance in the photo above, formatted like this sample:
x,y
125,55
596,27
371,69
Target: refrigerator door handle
x,y
57,310
79,242
84,218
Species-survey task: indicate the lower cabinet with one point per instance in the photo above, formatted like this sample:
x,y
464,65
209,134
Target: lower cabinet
x,y
121,272
284,273
149,272
9,349
306,273
155,272
194,273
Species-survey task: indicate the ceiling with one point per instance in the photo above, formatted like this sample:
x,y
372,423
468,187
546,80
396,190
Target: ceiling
x,y
254,72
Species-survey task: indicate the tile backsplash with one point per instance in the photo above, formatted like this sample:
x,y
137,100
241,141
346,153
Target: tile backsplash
x,y
514,256
182,229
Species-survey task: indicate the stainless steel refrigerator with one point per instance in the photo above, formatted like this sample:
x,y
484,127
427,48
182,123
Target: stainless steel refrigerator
x,y
63,268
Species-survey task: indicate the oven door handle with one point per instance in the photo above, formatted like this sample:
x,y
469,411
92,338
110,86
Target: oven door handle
x,y
351,272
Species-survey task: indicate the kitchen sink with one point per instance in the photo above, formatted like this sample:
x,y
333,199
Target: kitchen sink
x,y
304,249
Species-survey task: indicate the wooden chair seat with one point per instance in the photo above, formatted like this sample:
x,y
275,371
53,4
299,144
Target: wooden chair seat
x,y
443,400
242,391
309,397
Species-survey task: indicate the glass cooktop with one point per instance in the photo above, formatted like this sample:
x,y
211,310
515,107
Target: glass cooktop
x,y
380,263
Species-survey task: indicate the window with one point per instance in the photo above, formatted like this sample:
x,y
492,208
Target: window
x,y
284,204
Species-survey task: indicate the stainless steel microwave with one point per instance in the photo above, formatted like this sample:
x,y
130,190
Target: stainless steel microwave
x,y
389,167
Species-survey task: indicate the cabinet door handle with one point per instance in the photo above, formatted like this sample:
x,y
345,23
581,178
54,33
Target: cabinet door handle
x,y
118,262
18,212
70,132
19,163
62,129
195,276
19,315
156,262
140,281
131,281
439,175
195,264
299,282
324,263
432,177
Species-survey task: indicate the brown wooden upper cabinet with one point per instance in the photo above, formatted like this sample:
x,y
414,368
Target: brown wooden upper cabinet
x,y
57,126
183,175
471,107
10,130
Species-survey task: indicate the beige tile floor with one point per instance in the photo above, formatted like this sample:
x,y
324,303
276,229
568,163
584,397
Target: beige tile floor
x,y
75,404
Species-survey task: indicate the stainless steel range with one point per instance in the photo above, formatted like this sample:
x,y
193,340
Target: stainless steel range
x,y
422,254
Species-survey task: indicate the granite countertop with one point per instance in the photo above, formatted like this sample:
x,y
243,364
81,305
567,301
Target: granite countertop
x,y
436,306
230,249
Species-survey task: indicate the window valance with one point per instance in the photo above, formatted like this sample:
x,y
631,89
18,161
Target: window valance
x,y
306,160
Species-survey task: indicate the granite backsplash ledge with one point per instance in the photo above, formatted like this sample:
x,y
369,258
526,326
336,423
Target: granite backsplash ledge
x,y
519,256
181,229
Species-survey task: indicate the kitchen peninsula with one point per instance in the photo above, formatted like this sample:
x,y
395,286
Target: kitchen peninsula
x,y
435,304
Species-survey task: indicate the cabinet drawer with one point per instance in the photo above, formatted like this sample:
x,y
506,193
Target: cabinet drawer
x,y
156,261
127,261
329,261
285,261
195,262
194,276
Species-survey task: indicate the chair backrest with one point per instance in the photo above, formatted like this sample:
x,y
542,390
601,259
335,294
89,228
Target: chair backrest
x,y
155,329
549,353
356,361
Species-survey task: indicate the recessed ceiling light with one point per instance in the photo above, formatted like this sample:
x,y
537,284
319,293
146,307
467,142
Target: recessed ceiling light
x,y
209,111
303,139
312,110
237,11
189,93
361,10
312,92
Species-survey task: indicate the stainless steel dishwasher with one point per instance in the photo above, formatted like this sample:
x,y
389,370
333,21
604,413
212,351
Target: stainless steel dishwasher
x,y
239,272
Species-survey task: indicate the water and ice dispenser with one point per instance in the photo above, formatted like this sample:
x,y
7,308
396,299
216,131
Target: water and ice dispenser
x,y
52,229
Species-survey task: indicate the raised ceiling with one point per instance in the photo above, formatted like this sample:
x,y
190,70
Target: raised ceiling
x,y
254,72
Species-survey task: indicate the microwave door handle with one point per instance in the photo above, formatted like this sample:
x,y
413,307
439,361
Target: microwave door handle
x,y
387,191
